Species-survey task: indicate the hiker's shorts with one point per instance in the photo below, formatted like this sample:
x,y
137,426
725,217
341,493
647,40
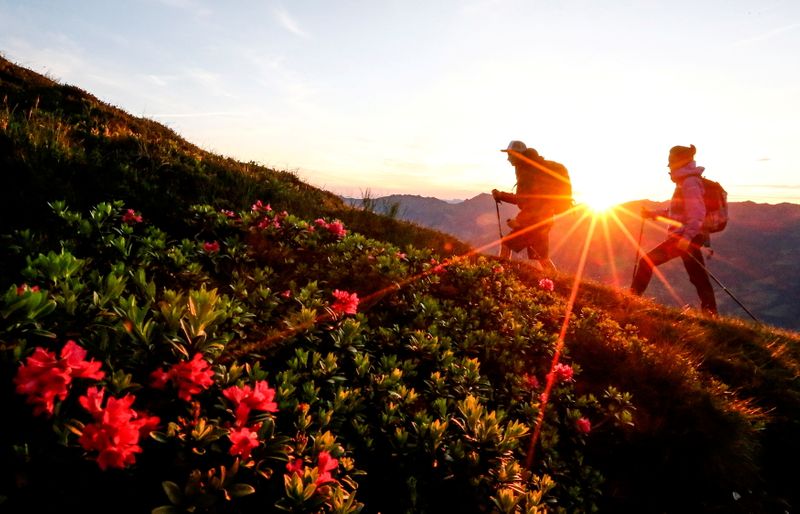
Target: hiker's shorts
x,y
537,238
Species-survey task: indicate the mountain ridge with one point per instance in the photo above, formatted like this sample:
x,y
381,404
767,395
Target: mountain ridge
x,y
753,257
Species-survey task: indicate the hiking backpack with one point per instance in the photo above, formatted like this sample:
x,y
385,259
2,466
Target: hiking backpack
x,y
716,199
559,187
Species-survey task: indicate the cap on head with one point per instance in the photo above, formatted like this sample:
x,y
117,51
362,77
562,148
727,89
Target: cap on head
x,y
516,146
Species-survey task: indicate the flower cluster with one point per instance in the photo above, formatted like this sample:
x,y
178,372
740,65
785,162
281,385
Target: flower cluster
x,y
131,217
546,284
44,377
116,429
245,399
335,227
563,372
325,464
190,378
346,303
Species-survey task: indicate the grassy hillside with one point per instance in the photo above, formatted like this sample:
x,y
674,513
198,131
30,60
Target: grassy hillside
x,y
58,142
214,356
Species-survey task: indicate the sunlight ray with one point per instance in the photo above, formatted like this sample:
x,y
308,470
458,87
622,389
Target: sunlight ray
x,y
585,214
610,251
560,344
641,253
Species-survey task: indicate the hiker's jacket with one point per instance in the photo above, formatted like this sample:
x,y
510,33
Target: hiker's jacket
x,y
687,205
534,193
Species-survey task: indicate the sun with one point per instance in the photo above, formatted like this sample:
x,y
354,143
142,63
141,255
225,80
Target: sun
x,y
601,191
599,202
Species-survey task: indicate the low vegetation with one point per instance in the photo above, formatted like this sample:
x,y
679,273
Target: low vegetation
x,y
184,333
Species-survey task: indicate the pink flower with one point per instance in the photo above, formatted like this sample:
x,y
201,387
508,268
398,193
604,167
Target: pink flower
x,y
43,377
584,425
530,382
244,441
245,399
258,206
400,255
563,372
211,247
546,284
116,429
337,229
229,214
190,378
346,303
325,464
131,218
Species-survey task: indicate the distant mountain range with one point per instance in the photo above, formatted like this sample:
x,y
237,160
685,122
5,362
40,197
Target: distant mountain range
x,y
755,258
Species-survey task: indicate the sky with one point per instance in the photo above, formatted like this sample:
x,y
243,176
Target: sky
x,y
417,96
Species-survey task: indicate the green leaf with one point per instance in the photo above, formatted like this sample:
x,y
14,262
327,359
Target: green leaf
x,y
239,490
173,491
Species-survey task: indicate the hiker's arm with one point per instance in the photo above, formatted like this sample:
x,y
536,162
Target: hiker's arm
x,y
502,196
695,209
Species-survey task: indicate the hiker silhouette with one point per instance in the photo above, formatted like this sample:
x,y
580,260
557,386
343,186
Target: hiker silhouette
x,y
686,234
543,190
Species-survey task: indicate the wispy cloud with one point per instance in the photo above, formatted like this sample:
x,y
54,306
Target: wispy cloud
x,y
289,23
768,35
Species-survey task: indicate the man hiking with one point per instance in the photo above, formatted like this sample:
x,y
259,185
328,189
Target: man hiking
x,y
543,189
686,236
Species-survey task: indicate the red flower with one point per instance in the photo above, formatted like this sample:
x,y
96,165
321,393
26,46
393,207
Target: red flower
x,y
229,214
287,294
211,247
584,425
346,303
43,377
131,218
294,466
325,464
244,441
498,269
24,288
258,206
116,430
530,382
563,372
337,229
245,399
190,377
546,284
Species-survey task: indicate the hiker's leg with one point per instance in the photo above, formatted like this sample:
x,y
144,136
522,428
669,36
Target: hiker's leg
x,y
540,248
655,257
699,276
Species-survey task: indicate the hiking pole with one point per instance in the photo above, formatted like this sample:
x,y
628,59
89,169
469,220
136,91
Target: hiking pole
x,y
724,288
638,247
499,226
